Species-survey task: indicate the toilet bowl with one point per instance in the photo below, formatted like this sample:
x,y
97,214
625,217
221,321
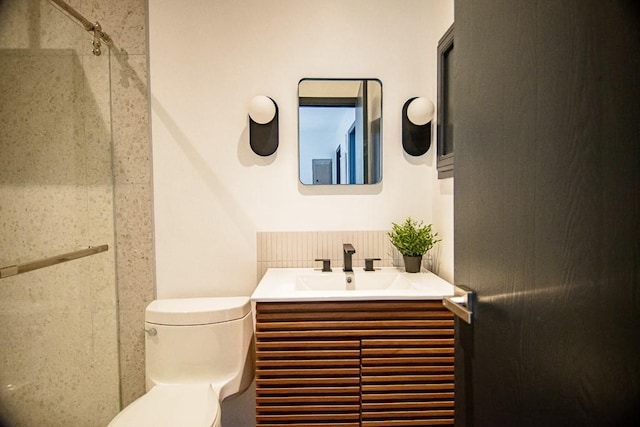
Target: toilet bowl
x,y
198,351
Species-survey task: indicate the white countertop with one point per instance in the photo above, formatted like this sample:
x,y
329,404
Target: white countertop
x,y
283,284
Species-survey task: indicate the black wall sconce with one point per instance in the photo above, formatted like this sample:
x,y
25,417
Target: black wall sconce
x,y
263,125
416,126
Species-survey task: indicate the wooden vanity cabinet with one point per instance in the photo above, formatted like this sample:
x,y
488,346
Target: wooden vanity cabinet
x,y
354,363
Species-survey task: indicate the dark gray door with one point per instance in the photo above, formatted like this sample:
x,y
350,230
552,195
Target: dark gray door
x,y
547,229
322,170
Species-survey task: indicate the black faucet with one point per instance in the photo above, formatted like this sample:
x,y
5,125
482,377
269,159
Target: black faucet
x,y
348,250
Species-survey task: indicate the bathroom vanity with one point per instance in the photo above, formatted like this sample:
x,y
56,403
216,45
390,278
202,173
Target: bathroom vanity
x,y
378,351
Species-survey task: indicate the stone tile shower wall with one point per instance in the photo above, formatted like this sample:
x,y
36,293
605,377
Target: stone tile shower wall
x,y
126,23
300,249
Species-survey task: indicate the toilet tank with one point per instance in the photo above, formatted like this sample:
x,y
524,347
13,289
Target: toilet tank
x,y
199,340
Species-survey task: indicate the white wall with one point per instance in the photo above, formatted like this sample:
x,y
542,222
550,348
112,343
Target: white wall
x,y
208,58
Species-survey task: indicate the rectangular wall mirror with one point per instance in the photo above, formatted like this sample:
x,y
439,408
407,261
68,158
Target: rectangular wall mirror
x,y
340,131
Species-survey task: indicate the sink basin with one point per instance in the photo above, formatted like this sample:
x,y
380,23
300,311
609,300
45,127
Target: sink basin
x,y
385,283
356,281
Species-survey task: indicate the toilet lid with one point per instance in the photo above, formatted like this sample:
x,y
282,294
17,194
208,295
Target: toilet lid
x,y
172,405
197,311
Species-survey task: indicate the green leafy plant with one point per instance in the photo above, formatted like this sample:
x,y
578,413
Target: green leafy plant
x,y
412,238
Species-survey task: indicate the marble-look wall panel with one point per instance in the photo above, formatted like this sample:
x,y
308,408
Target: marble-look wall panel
x,y
135,282
125,21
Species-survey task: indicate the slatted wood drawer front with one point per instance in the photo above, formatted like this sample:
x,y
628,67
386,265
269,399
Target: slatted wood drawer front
x,y
409,381
305,379
323,364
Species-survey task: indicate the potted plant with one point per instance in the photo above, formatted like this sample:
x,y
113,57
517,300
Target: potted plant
x,y
413,240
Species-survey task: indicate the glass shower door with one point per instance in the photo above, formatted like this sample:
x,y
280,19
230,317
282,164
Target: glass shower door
x,y
59,352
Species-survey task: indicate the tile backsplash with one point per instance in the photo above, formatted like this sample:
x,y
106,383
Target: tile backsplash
x,y
292,249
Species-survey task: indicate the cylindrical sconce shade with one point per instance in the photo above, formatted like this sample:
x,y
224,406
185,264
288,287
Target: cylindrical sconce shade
x,y
420,111
262,109
263,125
416,126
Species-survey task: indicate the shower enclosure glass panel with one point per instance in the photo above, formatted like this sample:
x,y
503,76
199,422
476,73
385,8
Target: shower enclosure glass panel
x,y
59,342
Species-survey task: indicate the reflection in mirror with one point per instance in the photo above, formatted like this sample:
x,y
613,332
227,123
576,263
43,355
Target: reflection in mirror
x,y
340,131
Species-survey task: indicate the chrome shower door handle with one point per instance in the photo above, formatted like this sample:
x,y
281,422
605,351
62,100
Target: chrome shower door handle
x,y
462,303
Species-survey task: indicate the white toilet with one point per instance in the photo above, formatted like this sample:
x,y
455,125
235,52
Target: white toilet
x,y
198,351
